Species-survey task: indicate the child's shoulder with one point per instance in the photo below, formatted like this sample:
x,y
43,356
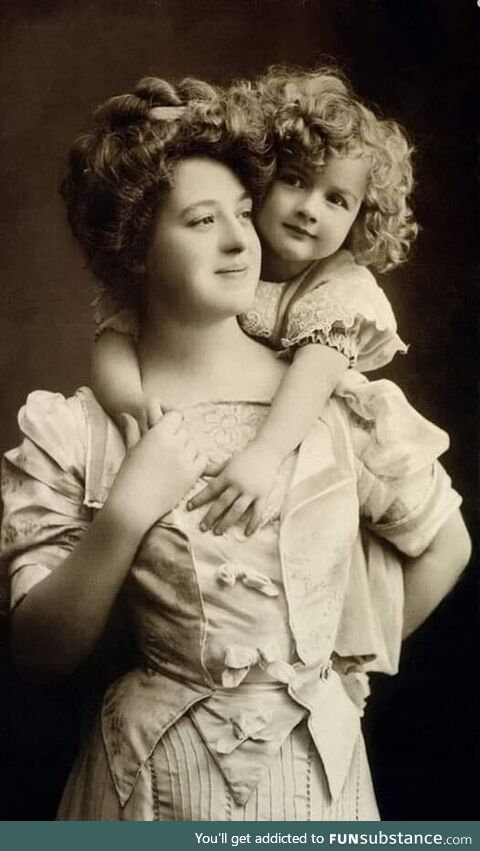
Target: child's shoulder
x,y
341,269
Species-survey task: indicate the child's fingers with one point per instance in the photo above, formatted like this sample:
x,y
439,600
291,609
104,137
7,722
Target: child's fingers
x,y
200,462
130,430
154,412
256,515
218,508
209,492
233,515
214,468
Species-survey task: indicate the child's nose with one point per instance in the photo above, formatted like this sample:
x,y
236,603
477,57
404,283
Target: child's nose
x,y
309,205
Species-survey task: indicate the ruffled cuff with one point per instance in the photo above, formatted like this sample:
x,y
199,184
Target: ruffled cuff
x,y
346,310
337,339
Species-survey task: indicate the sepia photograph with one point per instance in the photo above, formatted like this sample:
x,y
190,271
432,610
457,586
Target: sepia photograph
x,y
238,390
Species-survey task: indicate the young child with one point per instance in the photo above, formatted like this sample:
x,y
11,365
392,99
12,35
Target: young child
x,y
337,204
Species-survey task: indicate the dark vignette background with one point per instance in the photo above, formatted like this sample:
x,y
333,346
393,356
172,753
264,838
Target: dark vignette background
x,y
413,57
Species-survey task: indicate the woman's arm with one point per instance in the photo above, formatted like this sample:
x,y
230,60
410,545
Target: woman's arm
x,y
58,623
428,578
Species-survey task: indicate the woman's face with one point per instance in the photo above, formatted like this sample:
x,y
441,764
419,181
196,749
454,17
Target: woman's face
x,y
204,255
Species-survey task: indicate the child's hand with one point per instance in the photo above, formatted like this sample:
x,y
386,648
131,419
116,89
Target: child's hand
x,y
158,470
239,491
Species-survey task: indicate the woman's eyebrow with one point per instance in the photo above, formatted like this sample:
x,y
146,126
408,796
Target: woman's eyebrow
x,y
191,208
212,202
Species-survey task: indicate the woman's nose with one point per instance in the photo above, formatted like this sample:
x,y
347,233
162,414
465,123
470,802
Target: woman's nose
x,y
234,236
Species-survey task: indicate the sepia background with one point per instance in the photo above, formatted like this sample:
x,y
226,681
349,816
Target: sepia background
x,y
415,59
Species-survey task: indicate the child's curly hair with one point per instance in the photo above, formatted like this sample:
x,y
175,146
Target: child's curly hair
x,y
121,170
313,114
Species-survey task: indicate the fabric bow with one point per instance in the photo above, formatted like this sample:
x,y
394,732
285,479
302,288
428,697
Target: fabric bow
x,y
239,660
228,573
245,725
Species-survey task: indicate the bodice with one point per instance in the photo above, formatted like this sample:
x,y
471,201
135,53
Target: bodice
x,y
239,578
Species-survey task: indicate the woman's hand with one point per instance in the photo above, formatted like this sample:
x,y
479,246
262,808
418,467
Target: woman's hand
x,y
158,470
239,491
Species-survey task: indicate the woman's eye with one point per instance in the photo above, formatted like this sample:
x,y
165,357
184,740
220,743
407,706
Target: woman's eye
x,y
204,220
247,215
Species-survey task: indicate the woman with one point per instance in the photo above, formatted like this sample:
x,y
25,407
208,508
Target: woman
x,y
236,709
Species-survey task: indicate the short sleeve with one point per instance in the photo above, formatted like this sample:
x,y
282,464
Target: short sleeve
x,y
409,511
43,490
341,305
109,317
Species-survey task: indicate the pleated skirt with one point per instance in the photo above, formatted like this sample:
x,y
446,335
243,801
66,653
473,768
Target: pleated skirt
x,y
181,782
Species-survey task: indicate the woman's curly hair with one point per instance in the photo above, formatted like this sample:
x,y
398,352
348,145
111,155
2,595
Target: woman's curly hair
x,y
121,170
314,114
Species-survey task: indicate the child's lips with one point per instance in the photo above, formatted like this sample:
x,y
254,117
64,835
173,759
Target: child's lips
x,y
298,230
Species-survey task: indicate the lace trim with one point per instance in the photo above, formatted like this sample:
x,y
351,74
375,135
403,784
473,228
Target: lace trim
x,y
312,314
261,320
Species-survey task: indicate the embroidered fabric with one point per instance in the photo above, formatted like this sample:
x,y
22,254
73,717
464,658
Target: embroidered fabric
x,y
47,476
260,320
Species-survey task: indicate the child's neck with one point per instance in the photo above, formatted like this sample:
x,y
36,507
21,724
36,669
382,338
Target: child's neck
x,y
278,270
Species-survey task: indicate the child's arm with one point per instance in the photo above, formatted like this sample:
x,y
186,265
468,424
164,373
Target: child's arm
x,y
249,476
115,377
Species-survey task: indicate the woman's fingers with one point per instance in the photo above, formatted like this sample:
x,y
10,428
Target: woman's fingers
x,y
233,515
172,422
154,412
130,429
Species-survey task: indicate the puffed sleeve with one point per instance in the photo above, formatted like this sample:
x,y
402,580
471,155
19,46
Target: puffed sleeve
x,y
109,317
408,511
340,305
43,490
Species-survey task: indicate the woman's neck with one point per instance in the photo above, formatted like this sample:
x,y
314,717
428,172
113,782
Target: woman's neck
x,y
185,362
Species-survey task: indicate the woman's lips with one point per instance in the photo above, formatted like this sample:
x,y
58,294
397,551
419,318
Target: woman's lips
x,y
232,270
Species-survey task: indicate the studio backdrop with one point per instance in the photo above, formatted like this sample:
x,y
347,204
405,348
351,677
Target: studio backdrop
x,y
59,59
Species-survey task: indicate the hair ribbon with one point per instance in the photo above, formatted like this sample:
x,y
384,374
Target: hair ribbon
x,y
166,113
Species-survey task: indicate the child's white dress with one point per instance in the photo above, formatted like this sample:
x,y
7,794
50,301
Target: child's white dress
x,y
337,303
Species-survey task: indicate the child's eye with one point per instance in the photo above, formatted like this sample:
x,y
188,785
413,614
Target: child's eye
x,y
247,215
338,200
292,179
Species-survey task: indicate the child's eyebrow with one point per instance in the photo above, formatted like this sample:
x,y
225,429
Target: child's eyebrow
x,y
342,191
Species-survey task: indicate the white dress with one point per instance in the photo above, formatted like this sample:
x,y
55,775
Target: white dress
x,y
239,709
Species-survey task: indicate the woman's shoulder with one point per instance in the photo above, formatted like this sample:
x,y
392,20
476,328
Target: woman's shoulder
x,y
55,423
69,435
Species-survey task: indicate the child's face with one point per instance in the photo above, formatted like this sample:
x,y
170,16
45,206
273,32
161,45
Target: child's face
x,y
308,214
